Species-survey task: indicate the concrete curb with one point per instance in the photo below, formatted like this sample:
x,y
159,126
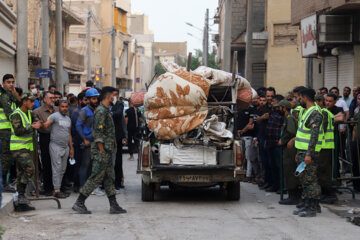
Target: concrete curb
x,y
7,204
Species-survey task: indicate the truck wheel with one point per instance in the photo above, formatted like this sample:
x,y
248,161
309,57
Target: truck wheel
x,y
233,191
147,192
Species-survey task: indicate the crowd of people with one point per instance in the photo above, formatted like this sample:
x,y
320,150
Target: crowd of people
x,y
77,142
279,133
79,145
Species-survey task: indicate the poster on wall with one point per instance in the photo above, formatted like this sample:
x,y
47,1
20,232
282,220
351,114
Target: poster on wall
x,y
308,36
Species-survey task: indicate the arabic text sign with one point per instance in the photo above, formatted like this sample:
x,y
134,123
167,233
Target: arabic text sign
x,y
308,36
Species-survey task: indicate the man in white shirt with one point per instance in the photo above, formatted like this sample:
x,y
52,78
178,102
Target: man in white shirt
x,y
346,96
340,102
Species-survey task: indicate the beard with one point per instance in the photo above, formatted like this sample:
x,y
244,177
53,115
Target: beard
x,y
93,105
56,103
303,104
82,105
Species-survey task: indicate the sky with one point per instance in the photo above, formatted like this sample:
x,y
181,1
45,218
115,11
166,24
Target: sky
x,y
167,19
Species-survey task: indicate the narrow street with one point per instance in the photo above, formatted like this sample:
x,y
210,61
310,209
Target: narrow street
x,y
185,214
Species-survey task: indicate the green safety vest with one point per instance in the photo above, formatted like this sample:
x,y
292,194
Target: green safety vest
x,y
300,109
4,121
329,137
23,142
303,134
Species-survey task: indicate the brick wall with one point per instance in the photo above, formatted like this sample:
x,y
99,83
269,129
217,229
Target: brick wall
x,y
304,8
239,15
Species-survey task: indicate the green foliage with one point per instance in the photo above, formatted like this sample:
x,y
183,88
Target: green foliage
x,y
195,60
160,68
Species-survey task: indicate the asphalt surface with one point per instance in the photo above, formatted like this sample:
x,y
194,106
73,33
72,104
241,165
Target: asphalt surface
x,y
184,214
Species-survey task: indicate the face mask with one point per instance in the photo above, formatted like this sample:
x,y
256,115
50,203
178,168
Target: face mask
x,y
34,91
114,100
300,169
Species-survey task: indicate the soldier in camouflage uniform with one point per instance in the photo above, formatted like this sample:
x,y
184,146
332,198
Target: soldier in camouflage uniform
x,y
310,123
288,133
21,143
101,149
8,100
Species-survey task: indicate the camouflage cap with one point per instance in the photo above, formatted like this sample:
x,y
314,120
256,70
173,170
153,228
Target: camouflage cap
x,y
28,95
319,97
284,103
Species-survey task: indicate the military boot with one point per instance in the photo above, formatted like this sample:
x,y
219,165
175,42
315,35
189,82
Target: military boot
x,y
301,207
23,208
310,210
79,205
21,197
293,198
114,206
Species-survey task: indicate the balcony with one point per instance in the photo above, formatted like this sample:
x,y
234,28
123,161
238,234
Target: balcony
x,y
73,61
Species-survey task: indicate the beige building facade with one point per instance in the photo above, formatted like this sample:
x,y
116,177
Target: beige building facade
x,y
286,68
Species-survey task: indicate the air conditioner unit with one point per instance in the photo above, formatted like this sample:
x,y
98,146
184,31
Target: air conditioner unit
x,y
335,29
215,38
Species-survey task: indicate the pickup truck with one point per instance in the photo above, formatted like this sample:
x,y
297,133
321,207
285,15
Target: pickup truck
x,y
195,161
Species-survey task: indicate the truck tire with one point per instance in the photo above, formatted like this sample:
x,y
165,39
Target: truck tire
x,y
147,192
233,191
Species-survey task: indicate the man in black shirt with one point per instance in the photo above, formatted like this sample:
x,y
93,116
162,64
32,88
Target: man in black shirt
x,y
117,110
133,119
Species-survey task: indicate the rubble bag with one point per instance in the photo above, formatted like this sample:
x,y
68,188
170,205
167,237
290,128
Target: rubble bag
x,y
176,103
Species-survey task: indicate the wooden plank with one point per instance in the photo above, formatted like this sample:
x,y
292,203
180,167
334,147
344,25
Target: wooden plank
x,y
234,65
189,62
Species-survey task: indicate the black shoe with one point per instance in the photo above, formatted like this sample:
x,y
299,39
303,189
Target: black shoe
x,y
310,210
9,189
292,200
271,189
264,186
302,206
60,194
23,208
79,205
114,206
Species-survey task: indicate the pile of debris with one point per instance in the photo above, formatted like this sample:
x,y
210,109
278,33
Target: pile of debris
x,y
176,105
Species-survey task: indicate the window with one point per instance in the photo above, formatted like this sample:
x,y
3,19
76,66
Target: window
x,y
285,34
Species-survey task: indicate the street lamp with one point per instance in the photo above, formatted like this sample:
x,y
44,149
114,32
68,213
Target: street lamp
x,y
191,25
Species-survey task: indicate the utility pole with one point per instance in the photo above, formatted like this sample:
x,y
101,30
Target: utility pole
x,y
59,48
113,71
45,40
206,39
249,38
22,44
88,45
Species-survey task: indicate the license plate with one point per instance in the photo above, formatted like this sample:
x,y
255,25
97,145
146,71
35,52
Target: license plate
x,y
192,178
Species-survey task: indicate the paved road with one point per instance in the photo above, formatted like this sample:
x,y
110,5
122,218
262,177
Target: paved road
x,y
201,214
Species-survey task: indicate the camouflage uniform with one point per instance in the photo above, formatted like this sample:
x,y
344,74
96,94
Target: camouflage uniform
x,y
102,170
6,100
309,178
24,158
289,132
